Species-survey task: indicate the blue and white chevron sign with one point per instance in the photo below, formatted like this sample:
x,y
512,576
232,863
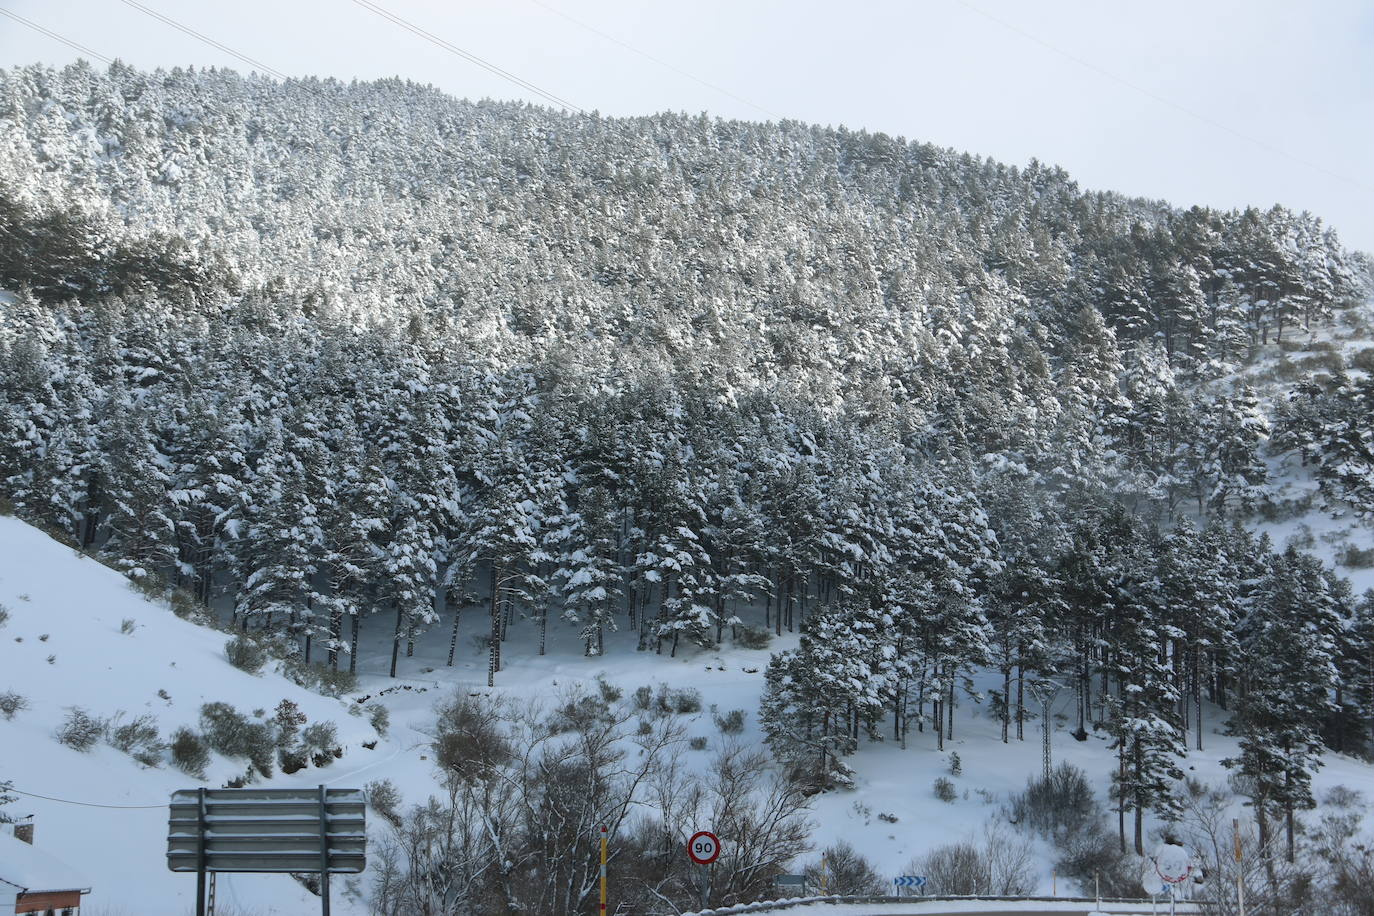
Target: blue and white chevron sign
x,y
910,881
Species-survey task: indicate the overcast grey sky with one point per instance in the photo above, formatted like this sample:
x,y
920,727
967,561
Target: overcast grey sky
x,y
1112,91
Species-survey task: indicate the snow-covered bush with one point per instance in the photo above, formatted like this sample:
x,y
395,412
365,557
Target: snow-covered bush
x,y
4,615
384,798
686,700
697,743
245,654
127,625
231,733
1343,797
11,703
673,701
1355,557
137,738
944,789
80,730
189,752
320,678
644,698
380,718
732,723
320,741
752,637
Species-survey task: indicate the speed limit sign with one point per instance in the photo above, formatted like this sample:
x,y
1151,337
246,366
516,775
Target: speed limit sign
x,y
704,847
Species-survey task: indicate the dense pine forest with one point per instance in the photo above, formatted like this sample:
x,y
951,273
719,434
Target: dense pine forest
x,y
329,357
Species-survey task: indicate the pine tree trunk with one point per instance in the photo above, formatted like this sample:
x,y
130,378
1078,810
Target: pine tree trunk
x,y
777,615
453,635
1121,795
396,639
1006,704
1139,802
494,646
1020,703
335,635
1197,694
353,655
951,710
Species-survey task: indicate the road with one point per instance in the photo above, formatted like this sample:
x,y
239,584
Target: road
x,y
955,907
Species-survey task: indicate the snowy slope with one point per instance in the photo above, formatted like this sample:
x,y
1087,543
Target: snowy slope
x,y
62,647
79,604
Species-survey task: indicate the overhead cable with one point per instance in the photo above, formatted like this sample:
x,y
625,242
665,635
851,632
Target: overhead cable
x,y
56,37
205,38
465,55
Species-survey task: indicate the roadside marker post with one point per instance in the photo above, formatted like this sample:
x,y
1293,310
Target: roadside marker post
x,y
602,911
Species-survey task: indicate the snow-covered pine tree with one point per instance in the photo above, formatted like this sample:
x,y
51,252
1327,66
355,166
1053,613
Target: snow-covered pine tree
x,y
1288,671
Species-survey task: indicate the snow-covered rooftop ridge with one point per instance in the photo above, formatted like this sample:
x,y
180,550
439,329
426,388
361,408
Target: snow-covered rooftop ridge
x,y
33,870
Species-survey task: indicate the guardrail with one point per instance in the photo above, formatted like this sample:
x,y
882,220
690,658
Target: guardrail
x,y
1183,908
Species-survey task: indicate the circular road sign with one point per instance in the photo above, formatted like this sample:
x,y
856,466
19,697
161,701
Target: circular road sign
x,y
1173,863
703,848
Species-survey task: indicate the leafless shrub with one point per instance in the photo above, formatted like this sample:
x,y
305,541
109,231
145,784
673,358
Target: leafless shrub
x,y
80,730
384,798
138,738
189,752
471,739
1055,805
998,865
842,870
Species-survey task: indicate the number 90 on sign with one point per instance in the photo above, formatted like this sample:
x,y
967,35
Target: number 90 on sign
x,y
703,848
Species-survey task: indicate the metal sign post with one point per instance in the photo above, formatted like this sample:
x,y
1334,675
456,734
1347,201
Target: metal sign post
x,y
704,848
279,831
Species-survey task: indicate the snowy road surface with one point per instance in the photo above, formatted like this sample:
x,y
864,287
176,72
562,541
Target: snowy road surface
x,y
937,907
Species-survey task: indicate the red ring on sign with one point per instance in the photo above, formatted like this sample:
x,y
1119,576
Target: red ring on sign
x,y
707,858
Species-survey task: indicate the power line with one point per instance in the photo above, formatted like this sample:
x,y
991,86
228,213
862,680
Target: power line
x,y
68,801
205,38
56,37
466,55
662,63
1161,99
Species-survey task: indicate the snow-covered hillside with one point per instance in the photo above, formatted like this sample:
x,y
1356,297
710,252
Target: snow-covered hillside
x,y
101,812
67,607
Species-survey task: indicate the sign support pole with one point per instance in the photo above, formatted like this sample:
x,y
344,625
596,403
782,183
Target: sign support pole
x,y
324,853
603,872
200,853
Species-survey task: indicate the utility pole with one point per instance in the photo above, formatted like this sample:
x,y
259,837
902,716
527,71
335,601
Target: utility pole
x,y
1045,690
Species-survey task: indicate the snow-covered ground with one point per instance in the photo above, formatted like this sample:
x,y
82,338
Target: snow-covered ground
x,y
63,647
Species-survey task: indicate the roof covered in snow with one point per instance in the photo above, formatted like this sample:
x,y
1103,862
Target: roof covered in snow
x,y
30,869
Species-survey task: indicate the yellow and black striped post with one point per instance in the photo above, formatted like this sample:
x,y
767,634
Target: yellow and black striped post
x,y
602,911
